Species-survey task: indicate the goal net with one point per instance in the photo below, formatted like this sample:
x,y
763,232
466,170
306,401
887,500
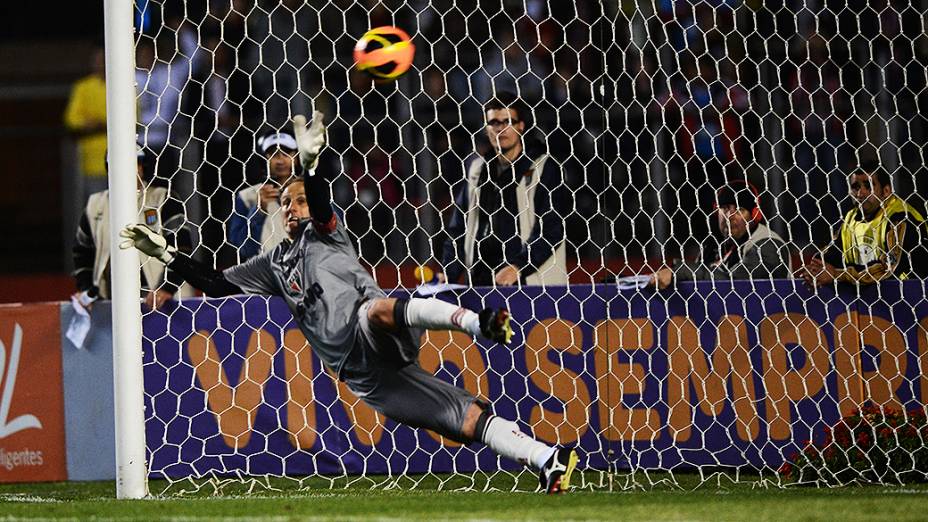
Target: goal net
x,y
646,109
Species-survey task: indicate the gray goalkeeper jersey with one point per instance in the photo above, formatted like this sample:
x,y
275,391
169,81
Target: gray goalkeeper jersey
x,y
320,278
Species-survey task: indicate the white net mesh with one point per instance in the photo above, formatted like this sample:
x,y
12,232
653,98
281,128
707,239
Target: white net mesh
x,y
646,110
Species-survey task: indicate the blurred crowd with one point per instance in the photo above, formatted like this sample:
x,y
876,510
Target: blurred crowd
x,y
647,108
792,96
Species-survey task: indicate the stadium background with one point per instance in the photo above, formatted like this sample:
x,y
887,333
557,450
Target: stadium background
x,y
792,97
791,94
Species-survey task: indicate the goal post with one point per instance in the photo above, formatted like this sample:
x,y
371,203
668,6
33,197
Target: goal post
x,y
131,464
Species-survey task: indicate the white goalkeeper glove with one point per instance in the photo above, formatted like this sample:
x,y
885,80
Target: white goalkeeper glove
x,y
148,242
309,140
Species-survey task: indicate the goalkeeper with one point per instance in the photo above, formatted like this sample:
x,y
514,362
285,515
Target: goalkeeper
x,y
369,340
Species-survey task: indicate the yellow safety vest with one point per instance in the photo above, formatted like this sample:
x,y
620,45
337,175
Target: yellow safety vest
x,y
864,242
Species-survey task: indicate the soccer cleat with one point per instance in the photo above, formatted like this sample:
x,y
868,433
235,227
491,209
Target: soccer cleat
x,y
555,476
494,325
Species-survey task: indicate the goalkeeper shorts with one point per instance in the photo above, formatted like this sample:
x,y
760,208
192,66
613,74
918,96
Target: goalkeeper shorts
x,y
381,374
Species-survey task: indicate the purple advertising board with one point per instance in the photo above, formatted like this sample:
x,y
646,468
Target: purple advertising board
x,y
721,374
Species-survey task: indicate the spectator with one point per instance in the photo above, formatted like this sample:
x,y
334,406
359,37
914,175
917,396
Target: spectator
x,y
85,117
378,197
507,225
748,250
880,238
257,223
814,120
228,145
92,244
163,70
437,113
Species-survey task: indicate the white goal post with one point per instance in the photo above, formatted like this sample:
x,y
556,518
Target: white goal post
x,y
131,464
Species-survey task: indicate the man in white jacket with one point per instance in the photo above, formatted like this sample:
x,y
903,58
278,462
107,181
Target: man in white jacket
x,y
92,242
507,225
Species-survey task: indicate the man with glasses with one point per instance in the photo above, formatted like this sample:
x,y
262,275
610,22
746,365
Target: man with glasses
x,y
507,226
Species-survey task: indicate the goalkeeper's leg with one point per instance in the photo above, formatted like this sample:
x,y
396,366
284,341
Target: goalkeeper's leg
x,y
406,393
553,464
434,314
416,398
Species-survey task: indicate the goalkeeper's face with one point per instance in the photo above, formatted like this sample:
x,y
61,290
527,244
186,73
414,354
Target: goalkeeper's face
x,y
293,201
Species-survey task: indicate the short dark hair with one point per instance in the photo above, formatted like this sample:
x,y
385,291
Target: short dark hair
x,y
739,193
509,100
874,169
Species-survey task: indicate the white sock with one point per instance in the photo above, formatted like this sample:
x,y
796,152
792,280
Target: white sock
x,y
506,439
435,314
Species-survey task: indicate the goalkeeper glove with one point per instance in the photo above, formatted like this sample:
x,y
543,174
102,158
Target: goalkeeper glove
x,y
148,242
309,140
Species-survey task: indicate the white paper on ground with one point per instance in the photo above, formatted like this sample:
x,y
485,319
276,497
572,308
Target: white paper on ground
x,y
436,288
633,282
80,325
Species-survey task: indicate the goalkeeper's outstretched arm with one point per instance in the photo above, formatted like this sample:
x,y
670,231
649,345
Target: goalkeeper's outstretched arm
x,y
211,281
310,141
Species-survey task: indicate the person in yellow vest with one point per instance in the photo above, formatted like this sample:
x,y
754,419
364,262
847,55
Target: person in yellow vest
x,y
882,237
85,118
159,211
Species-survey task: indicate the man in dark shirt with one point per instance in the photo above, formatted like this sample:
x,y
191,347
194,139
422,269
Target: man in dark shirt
x,y
507,226
748,250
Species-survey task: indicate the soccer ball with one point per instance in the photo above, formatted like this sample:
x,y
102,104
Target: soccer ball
x,y
384,52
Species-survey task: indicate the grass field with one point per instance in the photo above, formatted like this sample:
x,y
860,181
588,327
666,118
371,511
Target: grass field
x,y
743,501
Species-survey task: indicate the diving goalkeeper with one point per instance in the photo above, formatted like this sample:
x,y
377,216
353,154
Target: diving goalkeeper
x,y
368,340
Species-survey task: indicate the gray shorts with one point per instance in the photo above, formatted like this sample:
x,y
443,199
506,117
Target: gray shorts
x,y
384,372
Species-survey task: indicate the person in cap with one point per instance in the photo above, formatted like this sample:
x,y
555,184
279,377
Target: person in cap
x,y
748,249
257,223
91,252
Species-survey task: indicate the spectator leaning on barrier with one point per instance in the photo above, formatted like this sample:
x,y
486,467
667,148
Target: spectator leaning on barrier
x,y
748,250
92,243
257,224
882,237
507,225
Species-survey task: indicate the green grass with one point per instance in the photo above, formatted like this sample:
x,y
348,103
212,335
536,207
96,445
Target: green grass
x,y
314,500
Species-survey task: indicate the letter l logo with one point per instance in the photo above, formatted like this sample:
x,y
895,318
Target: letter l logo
x,y
9,383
